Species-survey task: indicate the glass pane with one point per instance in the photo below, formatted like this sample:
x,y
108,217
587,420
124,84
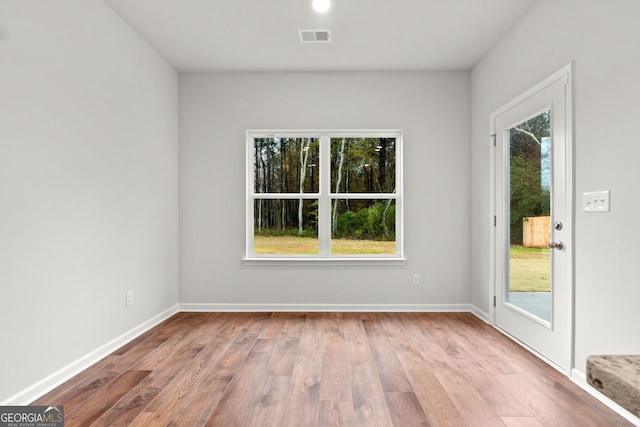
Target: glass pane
x,y
363,165
363,227
529,284
286,165
285,227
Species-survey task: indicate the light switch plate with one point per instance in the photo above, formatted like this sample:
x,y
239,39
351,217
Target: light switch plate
x,y
596,201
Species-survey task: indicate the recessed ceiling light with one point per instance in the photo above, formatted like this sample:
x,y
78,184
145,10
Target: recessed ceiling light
x,y
321,5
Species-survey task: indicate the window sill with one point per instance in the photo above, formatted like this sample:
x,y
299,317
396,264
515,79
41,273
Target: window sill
x,y
265,261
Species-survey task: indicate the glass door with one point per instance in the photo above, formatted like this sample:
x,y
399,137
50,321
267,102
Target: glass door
x,y
529,281
533,209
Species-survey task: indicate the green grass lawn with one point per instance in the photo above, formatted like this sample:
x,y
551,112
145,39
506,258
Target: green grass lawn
x,y
293,245
530,269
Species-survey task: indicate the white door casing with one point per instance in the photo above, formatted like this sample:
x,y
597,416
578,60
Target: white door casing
x,y
550,338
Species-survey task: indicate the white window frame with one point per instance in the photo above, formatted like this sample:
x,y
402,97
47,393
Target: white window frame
x,y
325,195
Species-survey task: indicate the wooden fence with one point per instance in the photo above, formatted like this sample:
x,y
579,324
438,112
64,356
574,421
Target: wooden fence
x,y
536,231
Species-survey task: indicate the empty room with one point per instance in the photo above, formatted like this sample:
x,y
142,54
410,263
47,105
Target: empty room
x,y
319,212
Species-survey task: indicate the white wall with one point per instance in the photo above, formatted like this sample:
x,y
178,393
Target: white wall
x,y
603,38
215,111
88,184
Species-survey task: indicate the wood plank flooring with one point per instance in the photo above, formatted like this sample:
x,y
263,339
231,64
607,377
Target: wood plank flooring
x,y
325,369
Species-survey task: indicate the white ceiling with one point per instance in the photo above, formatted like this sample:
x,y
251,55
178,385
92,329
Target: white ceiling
x,y
262,35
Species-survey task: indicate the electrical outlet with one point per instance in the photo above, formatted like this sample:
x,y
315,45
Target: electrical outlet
x,y
129,297
415,279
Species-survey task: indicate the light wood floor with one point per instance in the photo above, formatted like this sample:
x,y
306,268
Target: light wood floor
x,y
325,369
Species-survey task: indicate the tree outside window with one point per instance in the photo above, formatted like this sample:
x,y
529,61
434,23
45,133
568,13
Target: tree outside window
x,y
330,194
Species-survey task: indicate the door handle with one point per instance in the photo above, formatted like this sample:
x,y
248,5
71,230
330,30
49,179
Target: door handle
x,y
556,245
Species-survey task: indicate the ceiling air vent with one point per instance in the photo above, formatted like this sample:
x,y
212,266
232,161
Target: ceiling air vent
x,y
315,36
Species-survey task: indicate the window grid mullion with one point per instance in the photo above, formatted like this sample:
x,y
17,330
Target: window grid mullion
x,y
363,196
287,196
324,202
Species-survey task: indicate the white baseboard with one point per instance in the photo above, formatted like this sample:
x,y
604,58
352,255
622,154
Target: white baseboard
x,y
580,378
484,316
191,307
47,384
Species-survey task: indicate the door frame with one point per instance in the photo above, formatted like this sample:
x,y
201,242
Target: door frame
x,y
565,72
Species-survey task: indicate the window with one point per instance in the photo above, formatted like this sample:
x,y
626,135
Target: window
x,y
324,195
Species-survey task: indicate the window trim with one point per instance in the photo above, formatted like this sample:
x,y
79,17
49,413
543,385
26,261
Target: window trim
x,y
325,196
